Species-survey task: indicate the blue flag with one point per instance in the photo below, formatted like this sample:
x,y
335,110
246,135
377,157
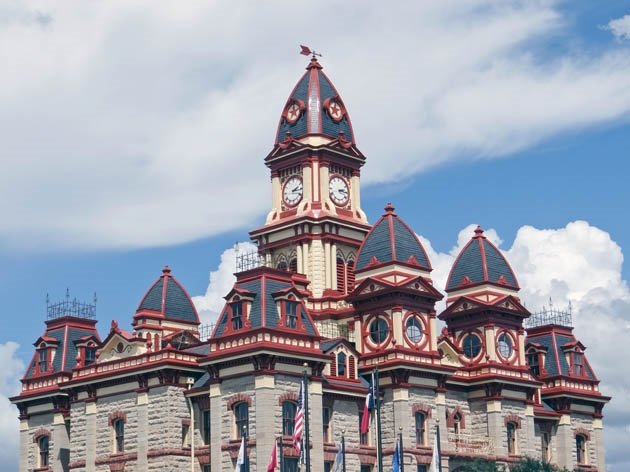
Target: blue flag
x,y
396,462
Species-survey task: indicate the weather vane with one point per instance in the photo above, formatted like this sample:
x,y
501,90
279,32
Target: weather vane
x,y
306,51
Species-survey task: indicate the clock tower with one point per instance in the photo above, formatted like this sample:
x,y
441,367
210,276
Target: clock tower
x,y
316,224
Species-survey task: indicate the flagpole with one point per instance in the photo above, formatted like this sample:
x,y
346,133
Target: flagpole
x,y
400,448
306,440
343,450
279,441
379,445
439,446
246,458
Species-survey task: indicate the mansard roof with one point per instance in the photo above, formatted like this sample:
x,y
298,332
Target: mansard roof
x,y
63,334
391,240
167,299
264,285
315,108
555,341
480,262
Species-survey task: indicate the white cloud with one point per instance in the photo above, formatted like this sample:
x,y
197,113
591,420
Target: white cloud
x,y
221,281
580,264
620,27
12,370
140,124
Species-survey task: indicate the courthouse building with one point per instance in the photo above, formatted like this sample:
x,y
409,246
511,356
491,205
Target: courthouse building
x,y
333,294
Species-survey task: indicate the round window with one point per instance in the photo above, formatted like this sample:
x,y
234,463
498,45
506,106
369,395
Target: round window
x,y
379,330
413,329
504,345
472,346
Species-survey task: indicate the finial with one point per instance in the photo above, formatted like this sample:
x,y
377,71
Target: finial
x,y
166,270
479,232
389,208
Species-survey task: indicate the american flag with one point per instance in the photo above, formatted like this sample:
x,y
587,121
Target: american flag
x,y
298,429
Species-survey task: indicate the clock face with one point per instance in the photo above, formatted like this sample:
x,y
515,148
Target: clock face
x,y
338,189
292,192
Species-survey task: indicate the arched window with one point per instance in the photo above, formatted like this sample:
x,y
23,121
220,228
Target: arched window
x,y
90,355
237,314
580,447
291,318
421,428
288,417
119,435
545,440
511,438
457,423
241,419
293,265
533,360
43,360
341,275
341,365
43,448
350,273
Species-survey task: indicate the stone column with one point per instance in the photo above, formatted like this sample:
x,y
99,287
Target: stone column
x,y
333,265
315,426
529,431
403,418
142,402
305,256
25,442
216,426
300,261
440,406
90,432
266,410
598,436
327,264
60,453
564,442
307,183
495,426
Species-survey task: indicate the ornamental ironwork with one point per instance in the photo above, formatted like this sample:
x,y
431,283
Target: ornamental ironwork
x,y
74,308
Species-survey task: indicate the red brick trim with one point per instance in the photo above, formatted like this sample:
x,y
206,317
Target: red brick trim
x,y
422,408
289,396
582,432
238,398
513,419
116,415
41,431
185,421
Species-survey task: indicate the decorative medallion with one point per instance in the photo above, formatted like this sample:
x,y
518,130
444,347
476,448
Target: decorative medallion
x,y
293,111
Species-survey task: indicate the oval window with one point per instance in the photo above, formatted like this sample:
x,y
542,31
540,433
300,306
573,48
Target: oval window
x,y
379,330
504,345
472,346
413,328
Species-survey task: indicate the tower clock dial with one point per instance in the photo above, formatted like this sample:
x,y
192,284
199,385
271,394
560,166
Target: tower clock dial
x,y
292,191
338,189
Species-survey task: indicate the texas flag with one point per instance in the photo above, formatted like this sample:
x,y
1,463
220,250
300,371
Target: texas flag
x,y
367,408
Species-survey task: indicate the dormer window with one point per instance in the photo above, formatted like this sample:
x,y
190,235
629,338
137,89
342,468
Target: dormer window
x,y
341,365
237,314
90,355
43,359
533,360
291,314
578,364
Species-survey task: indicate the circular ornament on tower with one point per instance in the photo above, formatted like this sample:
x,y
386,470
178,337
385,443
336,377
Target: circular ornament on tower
x,y
293,112
335,110
471,345
379,330
413,329
338,190
292,191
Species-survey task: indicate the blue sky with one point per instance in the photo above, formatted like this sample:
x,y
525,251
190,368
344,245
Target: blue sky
x,y
142,149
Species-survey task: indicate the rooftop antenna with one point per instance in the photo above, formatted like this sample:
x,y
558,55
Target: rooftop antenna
x,y
308,51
